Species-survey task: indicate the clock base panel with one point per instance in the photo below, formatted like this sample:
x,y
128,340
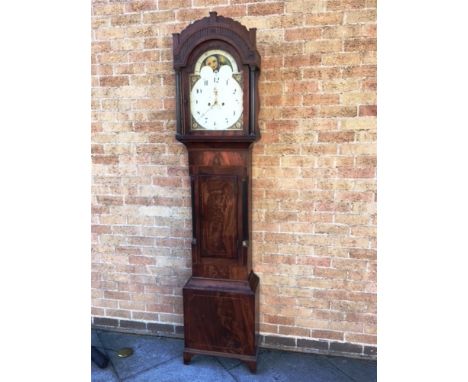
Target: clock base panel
x,y
221,318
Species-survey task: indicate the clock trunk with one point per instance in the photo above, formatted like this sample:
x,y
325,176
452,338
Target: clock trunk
x,y
221,297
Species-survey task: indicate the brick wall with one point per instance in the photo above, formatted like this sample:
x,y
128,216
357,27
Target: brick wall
x,y
314,186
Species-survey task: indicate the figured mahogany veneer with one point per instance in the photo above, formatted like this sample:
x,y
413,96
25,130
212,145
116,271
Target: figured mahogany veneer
x,y
221,297
220,180
221,319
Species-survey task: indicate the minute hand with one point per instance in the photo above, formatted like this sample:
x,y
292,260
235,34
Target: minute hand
x,y
215,102
211,107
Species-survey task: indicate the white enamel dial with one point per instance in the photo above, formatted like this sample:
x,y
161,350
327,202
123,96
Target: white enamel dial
x,y
216,99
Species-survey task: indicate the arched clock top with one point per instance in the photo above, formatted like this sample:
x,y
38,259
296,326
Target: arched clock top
x,y
217,67
220,28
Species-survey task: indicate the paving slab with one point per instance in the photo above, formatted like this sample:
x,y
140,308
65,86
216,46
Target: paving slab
x,y
227,363
358,369
149,352
160,359
95,340
282,366
101,375
201,369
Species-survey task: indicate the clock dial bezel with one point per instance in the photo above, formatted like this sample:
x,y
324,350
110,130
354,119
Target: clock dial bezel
x,y
188,77
216,115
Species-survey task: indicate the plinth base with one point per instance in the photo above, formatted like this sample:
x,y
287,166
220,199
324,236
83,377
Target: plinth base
x,y
221,319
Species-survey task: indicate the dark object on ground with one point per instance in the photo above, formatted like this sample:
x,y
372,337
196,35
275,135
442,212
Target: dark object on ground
x,y
100,359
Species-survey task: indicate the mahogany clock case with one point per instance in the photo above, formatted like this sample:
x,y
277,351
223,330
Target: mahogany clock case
x,y
221,298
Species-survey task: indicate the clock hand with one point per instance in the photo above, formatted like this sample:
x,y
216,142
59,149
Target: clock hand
x,y
215,102
216,96
211,107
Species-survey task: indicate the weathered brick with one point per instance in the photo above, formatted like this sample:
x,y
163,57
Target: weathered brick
x,y
125,19
282,341
342,31
334,5
341,59
328,18
358,45
362,254
370,350
302,34
341,136
346,347
368,110
112,57
321,46
265,9
305,6
113,81
104,321
175,4
360,71
141,5
110,33
360,16
132,324
118,313
293,331
336,111
357,172
312,344
113,295
107,9
341,85
328,334
358,124
361,338
303,87
160,328
321,99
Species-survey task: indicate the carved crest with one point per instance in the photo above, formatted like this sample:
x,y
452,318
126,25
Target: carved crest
x,y
219,28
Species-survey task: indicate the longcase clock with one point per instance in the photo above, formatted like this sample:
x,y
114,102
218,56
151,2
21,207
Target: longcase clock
x,y
217,67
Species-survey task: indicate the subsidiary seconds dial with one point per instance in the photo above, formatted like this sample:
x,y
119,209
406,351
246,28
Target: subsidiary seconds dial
x,y
216,99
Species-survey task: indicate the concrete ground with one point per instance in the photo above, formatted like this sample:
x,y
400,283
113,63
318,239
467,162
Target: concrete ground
x,y
159,359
